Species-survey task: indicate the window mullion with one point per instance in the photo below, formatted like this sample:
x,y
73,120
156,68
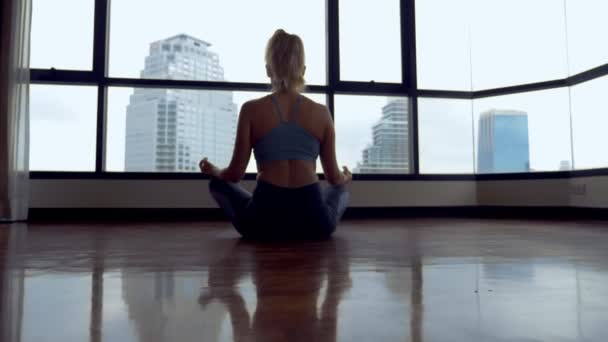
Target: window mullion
x,y
333,51
100,53
408,58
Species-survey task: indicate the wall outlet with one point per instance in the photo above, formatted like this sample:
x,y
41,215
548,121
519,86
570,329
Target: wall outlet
x,y
578,189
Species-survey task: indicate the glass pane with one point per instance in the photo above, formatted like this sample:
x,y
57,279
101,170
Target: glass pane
x,y
443,51
199,39
170,130
523,132
370,41
517,42
62,34
62,128
372,133
445,135
589,122
587,27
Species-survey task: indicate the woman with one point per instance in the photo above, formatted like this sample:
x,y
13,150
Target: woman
x,y
287,132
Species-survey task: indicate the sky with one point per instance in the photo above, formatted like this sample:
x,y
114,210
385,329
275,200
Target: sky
x,y
461,45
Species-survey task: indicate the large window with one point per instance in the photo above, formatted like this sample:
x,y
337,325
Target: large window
x,y
589,124
482,44
373,133
587,27
62,34
370,41
416,87
210,40
170,130
445,129
523,132
62,128
444,54
509,46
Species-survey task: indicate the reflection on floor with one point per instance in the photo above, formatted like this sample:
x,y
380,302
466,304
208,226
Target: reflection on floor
x,y
377,280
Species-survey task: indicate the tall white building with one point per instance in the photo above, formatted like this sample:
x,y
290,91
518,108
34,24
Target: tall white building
x,y
389,151
170,130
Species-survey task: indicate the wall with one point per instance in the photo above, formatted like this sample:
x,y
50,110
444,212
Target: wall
x,y
589,192
194,194
575,192
579,192
527,192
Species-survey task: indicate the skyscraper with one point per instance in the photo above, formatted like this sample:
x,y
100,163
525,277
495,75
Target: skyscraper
x,y
503,144
171,129
565,165
389,151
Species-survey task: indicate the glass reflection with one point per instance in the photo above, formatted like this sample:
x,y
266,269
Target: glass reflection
x,y
288,286
86,286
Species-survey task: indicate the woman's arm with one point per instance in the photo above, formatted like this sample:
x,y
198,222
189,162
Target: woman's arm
x,y
242,148
241,154
332,172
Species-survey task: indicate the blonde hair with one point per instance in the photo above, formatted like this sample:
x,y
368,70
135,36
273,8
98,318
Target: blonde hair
x,y
285,61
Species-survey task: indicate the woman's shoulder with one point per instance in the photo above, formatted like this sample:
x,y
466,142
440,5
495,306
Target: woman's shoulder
x,y
253,103
253,106
261,104
314,106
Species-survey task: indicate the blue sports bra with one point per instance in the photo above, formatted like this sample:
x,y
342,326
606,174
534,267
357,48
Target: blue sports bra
x,y
287,141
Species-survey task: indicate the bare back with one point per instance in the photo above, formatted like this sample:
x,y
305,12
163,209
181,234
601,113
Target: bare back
x,y
312,117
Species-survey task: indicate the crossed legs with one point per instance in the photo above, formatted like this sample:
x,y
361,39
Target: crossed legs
x,y
234,200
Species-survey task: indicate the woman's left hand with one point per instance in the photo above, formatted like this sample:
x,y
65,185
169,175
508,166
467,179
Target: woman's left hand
x,y
208,168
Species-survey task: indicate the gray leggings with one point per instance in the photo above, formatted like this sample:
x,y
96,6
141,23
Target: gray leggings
x,y
275,212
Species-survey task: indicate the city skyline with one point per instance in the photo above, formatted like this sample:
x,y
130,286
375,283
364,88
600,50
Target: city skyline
x,y
169,58
168,130
62,114
156,140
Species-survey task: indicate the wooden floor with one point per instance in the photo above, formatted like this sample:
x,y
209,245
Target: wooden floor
x,y
377,280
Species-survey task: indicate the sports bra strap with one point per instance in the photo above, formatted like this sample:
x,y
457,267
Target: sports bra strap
x,y
277,108
296,108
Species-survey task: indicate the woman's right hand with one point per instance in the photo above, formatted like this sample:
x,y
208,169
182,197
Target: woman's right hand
x,y
346,175
208,168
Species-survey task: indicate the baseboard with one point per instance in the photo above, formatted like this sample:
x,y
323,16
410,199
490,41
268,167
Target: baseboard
x,y
208,214
496,212
126,214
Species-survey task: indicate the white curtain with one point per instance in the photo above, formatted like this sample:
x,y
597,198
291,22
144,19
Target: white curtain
x,y
14,108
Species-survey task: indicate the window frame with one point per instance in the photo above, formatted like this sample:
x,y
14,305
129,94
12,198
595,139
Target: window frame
x,y
408,87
